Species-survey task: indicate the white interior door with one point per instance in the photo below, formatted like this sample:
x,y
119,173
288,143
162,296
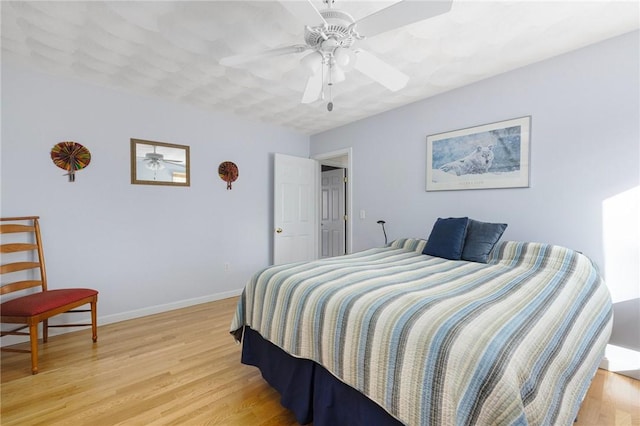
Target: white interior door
x,y
333,213
342,158
295,203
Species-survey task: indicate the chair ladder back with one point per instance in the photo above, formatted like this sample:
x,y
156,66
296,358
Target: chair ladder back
x,y
34,244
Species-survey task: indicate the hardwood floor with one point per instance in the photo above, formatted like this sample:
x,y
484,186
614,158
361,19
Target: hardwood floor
x,y
182,368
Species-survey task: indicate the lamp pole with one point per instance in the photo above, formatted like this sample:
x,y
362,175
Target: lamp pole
x,y
382,222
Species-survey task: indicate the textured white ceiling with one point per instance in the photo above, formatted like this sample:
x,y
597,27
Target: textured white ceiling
x,y
172,49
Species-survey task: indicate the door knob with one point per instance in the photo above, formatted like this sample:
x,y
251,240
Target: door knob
x,y
279,230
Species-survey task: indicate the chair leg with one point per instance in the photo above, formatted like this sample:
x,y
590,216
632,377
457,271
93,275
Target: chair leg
x,y
45,331
33,336
94,321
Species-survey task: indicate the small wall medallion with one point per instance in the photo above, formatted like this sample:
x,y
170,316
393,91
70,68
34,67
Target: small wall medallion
x,y
70,156
228,172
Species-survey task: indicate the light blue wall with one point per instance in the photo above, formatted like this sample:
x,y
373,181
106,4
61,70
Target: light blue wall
x,y
145,248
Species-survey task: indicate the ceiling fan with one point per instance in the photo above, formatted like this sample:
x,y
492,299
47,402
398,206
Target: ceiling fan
x,y
331,35
155,161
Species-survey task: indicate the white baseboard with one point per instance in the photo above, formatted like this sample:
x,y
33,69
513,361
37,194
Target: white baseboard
x,y
151,310
124,316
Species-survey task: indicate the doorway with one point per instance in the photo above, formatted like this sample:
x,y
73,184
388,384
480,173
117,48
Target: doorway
x,y
333,215
335,202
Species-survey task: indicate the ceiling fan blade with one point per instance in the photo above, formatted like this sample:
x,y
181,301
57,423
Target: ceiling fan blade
x,y
314,87
305,11
235,60
400,14
390,77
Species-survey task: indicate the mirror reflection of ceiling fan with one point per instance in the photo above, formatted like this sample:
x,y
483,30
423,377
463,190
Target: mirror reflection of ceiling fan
x,y
331,35
156,161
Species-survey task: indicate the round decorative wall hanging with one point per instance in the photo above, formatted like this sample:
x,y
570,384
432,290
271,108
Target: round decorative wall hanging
x,y
70,156
228,172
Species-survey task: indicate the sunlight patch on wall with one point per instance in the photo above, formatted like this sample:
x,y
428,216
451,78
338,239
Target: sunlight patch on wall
x,y
621,237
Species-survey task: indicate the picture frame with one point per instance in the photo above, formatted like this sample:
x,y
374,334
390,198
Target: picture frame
x,y
159,163
488,156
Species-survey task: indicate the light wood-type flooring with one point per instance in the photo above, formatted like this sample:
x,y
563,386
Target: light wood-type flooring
x,y
183,368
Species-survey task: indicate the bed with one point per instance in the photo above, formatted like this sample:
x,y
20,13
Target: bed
x,y
393,336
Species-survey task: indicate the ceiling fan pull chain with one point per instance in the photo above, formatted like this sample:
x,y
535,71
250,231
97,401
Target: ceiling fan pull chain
x,y
322,74
330,104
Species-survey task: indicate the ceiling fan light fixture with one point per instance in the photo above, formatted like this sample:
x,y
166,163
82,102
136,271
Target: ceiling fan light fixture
x,y
154,160
155,165
342,56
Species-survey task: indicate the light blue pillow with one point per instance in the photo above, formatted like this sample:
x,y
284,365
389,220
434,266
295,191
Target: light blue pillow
x,y
447,238
480,240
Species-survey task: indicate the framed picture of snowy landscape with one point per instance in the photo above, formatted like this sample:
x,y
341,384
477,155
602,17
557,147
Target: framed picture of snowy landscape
x,y
493,155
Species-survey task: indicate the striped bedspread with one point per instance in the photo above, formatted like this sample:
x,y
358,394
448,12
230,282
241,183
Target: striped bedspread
x,y
440,342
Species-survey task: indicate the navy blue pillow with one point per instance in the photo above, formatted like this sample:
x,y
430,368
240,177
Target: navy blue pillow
x,y
447,238
480,240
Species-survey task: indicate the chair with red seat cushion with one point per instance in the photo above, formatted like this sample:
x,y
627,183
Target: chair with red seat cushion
x,y
29,307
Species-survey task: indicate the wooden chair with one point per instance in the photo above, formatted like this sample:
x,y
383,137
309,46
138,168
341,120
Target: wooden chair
x,y
35,303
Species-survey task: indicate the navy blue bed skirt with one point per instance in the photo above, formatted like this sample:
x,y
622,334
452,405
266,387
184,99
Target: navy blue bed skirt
x,y
309,390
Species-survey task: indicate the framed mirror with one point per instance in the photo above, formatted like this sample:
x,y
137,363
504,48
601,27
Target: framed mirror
x,y
159,163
